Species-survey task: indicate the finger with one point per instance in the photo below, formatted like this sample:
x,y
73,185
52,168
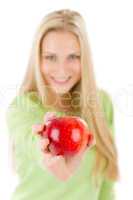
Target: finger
x,y
92,143
83,121
81,151
43,144
49,116
37,127
84,148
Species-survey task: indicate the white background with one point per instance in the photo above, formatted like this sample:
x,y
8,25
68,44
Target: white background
x,y
110,29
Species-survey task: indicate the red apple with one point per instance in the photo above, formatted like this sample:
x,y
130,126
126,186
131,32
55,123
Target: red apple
x,y
67,135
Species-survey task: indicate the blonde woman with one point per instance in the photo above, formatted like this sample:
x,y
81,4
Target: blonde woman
x,y
60,80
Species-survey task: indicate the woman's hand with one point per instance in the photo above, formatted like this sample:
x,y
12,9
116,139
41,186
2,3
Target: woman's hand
x,y
74,162
60,166
55,164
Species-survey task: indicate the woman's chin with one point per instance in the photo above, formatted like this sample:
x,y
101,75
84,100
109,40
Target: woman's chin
x,y
61,92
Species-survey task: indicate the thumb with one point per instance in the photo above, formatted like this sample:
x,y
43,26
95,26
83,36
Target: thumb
x,y
49,116
37,127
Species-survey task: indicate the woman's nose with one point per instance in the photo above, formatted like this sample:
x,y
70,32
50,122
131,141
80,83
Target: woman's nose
x,y
62,67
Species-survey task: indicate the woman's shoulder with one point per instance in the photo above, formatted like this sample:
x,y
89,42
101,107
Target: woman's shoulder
x,y
104,94
26,101
108,108
105,98
30,95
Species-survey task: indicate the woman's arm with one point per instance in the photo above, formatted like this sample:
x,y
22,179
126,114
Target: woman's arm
x,y
21,115
11,155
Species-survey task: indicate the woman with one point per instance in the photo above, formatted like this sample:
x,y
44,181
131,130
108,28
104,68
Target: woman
x,y
60,79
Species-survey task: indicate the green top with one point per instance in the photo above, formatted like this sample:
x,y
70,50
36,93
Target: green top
x,y
37,183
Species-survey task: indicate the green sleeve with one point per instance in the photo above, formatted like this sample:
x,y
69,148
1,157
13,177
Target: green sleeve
x,y
22,113
107,191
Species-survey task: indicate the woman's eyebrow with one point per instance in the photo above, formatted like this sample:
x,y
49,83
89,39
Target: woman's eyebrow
x,y
52,53
75,52
48,52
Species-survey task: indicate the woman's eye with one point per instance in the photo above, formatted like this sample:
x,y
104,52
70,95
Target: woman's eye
x,y
74,57
53,58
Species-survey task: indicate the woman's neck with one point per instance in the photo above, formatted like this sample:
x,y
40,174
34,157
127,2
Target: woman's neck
x,y
59,102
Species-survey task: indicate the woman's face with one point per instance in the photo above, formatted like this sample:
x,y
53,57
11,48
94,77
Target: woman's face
x,y
60,61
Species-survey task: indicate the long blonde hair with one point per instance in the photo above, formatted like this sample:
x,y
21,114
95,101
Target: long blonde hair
x,y
72,21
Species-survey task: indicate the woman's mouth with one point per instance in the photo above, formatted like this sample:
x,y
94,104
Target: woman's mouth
x,y
61,80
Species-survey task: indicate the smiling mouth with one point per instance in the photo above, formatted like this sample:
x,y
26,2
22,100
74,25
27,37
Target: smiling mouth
x,y
61,81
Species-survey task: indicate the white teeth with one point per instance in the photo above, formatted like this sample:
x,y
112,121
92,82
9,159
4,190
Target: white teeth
x,y
61,79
